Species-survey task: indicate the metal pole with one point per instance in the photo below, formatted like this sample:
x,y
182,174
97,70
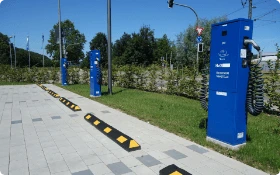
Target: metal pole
x,y
197,21
170,60
109,27
250,9
59,25
15,51
43,51
10,53
29,57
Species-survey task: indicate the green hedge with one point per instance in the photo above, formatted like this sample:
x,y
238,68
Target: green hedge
x,y
183,82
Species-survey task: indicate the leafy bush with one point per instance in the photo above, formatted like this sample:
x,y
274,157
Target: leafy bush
x,y
272,85
73,75
152,78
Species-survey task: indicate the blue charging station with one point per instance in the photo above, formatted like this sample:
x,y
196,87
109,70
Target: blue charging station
x,y
95,74
228,82
63,68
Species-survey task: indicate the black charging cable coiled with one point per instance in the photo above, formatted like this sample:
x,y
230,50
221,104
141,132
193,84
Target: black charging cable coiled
x,y
98,75
255,91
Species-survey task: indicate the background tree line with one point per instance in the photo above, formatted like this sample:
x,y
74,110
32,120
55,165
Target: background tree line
x,y
138,48
21,54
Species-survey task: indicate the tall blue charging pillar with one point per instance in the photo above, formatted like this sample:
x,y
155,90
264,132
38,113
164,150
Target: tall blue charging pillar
x,y
95,74
63,68
228,81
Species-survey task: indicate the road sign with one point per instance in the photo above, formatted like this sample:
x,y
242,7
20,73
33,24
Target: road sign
x,y
199,30
199,39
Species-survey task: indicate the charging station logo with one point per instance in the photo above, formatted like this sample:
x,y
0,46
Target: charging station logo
x,y
0,3
223,54
223,65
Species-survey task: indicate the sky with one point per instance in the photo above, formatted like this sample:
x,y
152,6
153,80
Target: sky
x,y
33,18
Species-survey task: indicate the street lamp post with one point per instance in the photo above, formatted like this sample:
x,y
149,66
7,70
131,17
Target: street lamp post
x,y
171,2
15,51
59,25
10,51
109,27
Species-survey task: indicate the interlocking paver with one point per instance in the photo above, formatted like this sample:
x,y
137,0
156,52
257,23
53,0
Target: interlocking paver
x,y
16,122
141,169
148,160
41,171
175,154
91,159
109,159
58,166
73,115
76,164
37,119
119,168
39,135
85,172
53,157
197,149
99,168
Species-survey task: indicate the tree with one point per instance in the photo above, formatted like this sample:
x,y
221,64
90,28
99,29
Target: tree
x,y
71,36
186,41
140,48
99,42
4,49
121,45
119,49
163,47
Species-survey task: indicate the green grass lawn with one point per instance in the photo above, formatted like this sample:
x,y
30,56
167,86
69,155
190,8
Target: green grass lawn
x,y
13,83
183,116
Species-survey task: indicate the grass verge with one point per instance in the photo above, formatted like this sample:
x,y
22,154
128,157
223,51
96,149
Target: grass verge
x,y
183,117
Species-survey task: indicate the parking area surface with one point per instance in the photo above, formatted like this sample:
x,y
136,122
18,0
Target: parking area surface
x,y
41,136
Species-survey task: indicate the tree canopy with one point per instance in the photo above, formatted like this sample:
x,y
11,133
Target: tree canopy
x,y
140,48
73,39
99,42
186,43
22,55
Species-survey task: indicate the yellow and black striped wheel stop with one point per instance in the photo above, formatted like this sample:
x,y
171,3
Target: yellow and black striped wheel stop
x,y
173,170
43,87
69,104
120,138
52,93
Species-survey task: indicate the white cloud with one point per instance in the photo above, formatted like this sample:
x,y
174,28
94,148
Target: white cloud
x,y
0,3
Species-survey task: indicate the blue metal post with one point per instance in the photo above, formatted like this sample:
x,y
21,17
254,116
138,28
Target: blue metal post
x,y
95,74
64,66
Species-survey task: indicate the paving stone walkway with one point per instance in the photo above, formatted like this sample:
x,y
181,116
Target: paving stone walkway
x,y
41,136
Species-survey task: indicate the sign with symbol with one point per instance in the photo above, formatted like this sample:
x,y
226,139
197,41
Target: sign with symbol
x,y
199,39
199,30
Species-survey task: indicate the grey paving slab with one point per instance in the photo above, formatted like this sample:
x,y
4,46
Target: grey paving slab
x,y
105,112
119,168
85,172
148,160
197,149
56,117
58,166
141,169
73,115
37,119
175,154
41,171
109,159
91,159
16,121
99,168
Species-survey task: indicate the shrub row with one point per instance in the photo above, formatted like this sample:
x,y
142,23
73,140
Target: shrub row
x,y
184,82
